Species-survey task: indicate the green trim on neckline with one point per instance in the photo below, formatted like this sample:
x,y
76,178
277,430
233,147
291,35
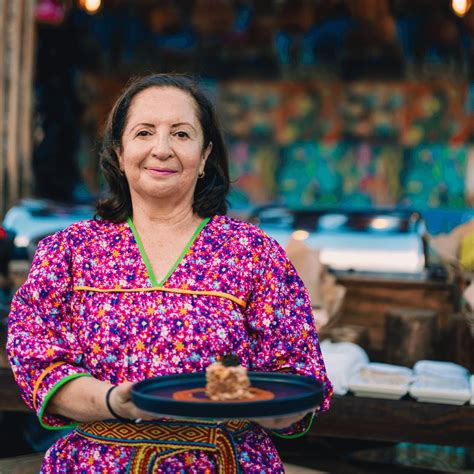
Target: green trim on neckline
x,y
141,249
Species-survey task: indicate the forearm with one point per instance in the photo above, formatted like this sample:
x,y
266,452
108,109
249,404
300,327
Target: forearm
x,y
81,399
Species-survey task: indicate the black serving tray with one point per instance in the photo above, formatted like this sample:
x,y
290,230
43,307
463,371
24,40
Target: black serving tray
x,y
292,394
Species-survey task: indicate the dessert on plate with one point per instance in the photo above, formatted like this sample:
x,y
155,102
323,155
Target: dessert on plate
x,y
226,381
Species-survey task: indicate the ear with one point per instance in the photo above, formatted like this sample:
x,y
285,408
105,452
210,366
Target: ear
x,y
119,154
205,156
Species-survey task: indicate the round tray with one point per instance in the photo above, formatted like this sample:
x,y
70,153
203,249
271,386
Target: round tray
x,y
292,394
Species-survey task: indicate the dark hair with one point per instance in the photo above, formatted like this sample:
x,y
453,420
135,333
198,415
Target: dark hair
x,y
211,190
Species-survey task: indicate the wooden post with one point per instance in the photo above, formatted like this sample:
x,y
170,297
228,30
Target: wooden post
x,y
26,110
457,342
410,335
14,45
3,14
17,43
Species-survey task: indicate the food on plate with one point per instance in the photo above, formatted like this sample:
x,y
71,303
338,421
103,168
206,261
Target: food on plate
x,y
227,380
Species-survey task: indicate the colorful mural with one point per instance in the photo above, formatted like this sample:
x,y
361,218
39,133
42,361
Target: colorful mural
x,y
253,168
309,112
346,174
372,111
308,174
358,144
248,110
434,176
436,112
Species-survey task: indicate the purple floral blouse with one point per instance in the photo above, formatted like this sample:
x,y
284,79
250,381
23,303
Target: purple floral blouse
x,y
238,293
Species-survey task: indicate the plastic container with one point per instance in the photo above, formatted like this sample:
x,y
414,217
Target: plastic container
x,y
342,359
377,380
441,382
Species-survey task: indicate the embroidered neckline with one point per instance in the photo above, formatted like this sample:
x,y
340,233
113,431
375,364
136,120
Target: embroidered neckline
x,y
146,261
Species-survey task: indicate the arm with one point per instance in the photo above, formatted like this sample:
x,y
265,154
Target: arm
x,y
43,348
44,351
83,399
281,322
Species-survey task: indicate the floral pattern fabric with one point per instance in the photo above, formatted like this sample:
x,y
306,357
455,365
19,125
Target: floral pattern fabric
x,y
57,332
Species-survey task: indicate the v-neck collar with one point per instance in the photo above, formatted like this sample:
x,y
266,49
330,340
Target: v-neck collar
x,y
141,249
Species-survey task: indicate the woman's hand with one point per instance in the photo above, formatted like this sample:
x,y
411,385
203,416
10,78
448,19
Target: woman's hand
x,y
282,422
121,403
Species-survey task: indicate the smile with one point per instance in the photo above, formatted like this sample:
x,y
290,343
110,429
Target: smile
x,y
161,171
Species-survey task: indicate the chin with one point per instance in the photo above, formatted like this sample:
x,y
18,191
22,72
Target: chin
x,y
162,192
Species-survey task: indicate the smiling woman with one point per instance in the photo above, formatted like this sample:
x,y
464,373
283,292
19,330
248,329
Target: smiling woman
x,y
161,282
211,189
162,152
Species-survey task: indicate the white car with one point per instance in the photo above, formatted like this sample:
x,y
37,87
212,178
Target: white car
x,y
33,219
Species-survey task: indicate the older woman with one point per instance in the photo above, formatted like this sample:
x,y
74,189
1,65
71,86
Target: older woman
x,y
160,282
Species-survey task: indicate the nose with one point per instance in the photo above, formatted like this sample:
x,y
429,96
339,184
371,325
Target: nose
x,y
161,147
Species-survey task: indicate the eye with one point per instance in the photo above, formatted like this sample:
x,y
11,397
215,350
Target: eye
x,y
182,134
143,133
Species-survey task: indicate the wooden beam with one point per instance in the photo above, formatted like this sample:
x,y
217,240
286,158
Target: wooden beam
x,y
14,45
26,106
3,36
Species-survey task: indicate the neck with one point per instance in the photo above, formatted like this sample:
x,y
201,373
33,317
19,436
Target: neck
x,y
145,216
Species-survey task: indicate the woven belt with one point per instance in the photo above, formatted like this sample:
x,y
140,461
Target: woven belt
x,y
155,441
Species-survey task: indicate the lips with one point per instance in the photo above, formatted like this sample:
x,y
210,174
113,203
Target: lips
x,y
161,171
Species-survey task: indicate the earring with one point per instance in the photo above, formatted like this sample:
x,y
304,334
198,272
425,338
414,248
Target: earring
x,y
202,174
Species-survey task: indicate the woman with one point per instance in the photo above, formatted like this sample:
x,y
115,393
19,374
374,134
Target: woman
x,y
161,282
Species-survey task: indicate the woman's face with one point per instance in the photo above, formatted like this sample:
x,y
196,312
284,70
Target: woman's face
x,y
162,146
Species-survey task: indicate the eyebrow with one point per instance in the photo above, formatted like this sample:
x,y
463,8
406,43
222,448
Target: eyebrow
x,y
141,124
180,124
151,125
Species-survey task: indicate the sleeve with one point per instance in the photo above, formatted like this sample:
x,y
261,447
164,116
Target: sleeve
x,y
281,322
42,346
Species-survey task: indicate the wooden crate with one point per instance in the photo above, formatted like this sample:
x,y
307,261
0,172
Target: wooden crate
x,y
368,299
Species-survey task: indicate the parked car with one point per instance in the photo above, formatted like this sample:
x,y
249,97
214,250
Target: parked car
x,y
374,240
32,220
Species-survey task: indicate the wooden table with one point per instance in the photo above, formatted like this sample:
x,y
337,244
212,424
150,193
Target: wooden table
x,y
397,420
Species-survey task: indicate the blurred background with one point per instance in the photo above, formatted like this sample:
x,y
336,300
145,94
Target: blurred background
x,y
354,103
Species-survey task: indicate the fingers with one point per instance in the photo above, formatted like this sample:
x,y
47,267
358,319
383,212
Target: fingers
x,y
122,401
